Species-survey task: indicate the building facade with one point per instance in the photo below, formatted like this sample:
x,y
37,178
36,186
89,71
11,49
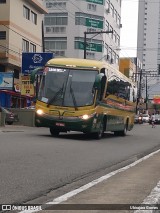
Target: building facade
x,y
66,22
20,31
148,45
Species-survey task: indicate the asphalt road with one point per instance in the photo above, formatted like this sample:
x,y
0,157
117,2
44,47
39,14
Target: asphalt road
x,y
36,166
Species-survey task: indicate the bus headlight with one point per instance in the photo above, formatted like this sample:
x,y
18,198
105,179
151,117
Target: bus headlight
x,y
40,112
86,116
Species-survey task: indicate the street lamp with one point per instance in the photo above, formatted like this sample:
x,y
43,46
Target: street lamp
x,y
85,35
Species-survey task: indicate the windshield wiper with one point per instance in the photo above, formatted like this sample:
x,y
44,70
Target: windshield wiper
x,y
55,96
73,98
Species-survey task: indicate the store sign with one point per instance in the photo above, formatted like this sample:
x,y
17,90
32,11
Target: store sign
x,y
95,1
156,99
6,80
26,87
90,46
31,61
94,23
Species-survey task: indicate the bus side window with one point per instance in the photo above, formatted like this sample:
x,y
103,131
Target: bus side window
x,y
119,88
112,87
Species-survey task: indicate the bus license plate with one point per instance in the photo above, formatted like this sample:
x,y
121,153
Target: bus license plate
x,y
60,124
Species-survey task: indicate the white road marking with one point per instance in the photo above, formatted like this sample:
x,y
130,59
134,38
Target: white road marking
x,y
152,199
68,195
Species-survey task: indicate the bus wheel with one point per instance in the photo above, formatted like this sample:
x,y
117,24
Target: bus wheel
x,y
54,132
98,135
121,133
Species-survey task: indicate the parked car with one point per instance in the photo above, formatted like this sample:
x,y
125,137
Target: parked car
x,y
10,117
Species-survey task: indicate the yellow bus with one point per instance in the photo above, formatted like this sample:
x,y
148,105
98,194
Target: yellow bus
x,y
84,95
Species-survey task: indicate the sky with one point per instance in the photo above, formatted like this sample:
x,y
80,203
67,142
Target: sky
x,y
128,33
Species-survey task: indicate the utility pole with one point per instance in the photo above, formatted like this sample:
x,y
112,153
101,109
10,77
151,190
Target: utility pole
x,y
146,96
139,86
85,38
43,44
139,91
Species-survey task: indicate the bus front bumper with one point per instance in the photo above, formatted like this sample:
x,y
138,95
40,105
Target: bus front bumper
x,y
66,124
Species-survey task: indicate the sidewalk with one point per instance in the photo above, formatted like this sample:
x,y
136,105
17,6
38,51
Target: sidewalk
x,y
132,186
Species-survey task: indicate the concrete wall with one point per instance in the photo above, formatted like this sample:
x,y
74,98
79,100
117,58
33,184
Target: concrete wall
x,y
26,117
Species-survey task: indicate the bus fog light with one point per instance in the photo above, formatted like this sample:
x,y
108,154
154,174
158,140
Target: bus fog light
x,y
40,112
86,116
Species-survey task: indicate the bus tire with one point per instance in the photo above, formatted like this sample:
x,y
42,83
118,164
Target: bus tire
x,y
54,132
123,132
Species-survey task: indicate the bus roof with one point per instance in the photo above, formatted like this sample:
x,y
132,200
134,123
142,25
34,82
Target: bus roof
x,y
86,64
76,62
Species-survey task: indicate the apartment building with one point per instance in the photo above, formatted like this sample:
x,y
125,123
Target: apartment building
x,y
67,20
20,31
148,44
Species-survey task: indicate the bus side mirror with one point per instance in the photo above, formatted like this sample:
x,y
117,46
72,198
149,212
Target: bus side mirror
x,y
97,82
34,72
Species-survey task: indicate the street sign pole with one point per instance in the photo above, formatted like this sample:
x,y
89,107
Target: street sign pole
x,y
85,38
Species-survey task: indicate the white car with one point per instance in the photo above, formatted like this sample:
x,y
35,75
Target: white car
x,y
145,118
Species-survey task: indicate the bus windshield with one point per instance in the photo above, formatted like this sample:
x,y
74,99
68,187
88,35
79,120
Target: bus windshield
x,y
67,87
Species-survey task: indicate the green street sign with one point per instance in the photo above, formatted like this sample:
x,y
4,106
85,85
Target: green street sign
x,y
95,1
94,23
90,46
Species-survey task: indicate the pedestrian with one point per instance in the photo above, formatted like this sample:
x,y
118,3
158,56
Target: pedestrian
x,y
153,121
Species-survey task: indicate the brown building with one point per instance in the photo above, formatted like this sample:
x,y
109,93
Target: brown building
x,y
128,68
20,31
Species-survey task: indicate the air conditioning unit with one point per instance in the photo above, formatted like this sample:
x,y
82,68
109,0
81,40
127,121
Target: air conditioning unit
x,y
108,10
112,61
107,57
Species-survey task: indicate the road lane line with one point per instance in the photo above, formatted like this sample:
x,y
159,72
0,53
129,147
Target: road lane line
x,y
152,199
68,195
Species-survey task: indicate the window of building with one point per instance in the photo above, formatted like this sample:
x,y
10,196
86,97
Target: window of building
x,y
26,12
33,17
56,19
56,43
90,29
90,55
32,48
2,1
59,53
56,5
84,18
92,7
48,29
25,45
58,29
2,35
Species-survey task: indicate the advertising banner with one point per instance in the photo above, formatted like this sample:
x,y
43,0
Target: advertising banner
x,y
31,61
26,87
156,99
6,80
